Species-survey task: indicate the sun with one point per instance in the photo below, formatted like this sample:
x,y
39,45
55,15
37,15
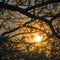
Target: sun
x,y
37,38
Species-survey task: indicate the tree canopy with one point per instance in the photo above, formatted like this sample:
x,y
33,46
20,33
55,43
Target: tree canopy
x,y
21,20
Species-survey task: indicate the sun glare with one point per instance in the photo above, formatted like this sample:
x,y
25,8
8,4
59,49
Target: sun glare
x,y
37,38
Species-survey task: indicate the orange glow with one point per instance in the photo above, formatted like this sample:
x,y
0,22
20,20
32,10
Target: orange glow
x,y
37,38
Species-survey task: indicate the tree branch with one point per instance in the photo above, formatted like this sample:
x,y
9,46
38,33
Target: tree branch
x,y
25,12
42,4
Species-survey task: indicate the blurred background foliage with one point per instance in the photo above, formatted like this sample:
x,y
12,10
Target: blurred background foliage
x,y
19,42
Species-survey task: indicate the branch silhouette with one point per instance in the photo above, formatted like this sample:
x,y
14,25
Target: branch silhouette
x,y
25,12
42,4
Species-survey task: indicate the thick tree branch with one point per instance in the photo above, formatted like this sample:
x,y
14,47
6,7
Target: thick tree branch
x,y
53,30
25,12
